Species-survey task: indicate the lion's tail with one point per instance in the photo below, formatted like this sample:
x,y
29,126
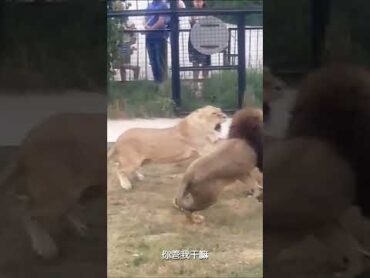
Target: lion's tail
x,y
9,172
111,151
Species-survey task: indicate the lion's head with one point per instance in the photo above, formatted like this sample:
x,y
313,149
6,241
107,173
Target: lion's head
x,y
272,86
207,118
273,89
247,124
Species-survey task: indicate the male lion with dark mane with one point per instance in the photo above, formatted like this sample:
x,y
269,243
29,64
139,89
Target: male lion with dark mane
x,y
233,159
321,168
188,139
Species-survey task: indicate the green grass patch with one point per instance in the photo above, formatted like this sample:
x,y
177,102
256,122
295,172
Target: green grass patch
x,y
139,261
254,271
145,99
141,99
221,89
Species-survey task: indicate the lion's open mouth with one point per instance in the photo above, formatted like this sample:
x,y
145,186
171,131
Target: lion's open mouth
x,y
218,127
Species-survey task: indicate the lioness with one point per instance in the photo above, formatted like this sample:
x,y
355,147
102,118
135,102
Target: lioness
x,y
184,141
56,162
234,159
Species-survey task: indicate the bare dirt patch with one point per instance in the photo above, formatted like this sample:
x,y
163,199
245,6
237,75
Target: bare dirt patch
x,y
142,223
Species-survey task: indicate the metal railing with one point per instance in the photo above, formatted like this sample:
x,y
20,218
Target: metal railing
x,y
234,57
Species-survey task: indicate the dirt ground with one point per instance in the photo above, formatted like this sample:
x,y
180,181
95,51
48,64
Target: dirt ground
x,y
142,223
80,258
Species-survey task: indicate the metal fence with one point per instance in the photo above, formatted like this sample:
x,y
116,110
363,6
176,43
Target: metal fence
x,y
244,48
139,57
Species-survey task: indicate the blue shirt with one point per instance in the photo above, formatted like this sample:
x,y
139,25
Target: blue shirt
x,y
154,18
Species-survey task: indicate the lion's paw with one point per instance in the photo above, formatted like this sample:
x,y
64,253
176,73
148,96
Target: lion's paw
x,y
45,247
174,203
197,218
140,176
124,182
79,228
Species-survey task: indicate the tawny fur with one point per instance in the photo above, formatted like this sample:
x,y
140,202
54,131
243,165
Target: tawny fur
x,y
334,105
317,174
247,124
272,90
233,159
56,162
272,86
186,140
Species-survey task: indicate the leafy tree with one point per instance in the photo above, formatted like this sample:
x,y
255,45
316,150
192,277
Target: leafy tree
x,y
116,37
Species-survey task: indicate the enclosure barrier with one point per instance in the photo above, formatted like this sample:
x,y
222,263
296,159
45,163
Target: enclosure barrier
x,y
176,68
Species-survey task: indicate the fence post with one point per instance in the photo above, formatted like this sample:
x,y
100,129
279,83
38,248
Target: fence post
x,y
242,81
175,64
319,18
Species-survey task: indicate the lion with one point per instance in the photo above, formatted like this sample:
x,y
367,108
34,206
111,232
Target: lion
x,y
278,98
272,90
234,159
317,184
334,105
272,86
326,154
56,163
187,140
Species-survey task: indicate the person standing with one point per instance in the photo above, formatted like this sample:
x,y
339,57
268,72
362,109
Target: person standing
x,y
127,49
195,57
156,41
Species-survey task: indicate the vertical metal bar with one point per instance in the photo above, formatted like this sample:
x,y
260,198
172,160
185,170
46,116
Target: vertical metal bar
x,y
250,47
146,60
145,46
228,48
242,81
138,49
176,88
183,44
319,18
257,32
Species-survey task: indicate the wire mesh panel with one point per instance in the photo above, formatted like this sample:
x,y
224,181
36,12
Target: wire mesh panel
x,y
138,54
208,59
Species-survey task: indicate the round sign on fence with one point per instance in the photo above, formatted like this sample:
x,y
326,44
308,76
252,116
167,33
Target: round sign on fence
x,y
209,35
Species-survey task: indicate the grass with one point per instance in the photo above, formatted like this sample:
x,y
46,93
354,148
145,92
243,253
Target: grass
x,y
139,99
222,89
143,99
142,223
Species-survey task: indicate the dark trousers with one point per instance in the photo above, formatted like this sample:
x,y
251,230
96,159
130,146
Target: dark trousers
x,y
157,51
